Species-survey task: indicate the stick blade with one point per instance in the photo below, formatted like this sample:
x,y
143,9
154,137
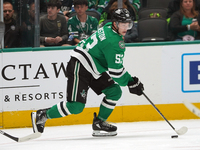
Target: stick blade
x,y
30,137
182,131
192,108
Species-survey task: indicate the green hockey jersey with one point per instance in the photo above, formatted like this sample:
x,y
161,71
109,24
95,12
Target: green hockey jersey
x,y
104,51
99,5
82,31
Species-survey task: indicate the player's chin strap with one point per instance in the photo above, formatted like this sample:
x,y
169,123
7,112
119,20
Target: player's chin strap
x,y
116,29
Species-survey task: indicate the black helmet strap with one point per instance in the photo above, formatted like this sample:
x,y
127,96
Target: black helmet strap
x,y
114,28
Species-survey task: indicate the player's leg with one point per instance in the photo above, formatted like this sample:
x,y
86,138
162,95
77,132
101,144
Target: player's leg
x,y
113,93
77,88
59,110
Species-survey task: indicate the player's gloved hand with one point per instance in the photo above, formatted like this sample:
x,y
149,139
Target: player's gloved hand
x,y
135,86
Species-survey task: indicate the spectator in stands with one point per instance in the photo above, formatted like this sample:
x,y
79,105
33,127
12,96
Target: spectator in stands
x,y
20,10
66,5
53,26
14,3
174,5
183,22
66,8
12,35
132,34
106,17
135,3
97,5
43,5
131,8
82,25
28,28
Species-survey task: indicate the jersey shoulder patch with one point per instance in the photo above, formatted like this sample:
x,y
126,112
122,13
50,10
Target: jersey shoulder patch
x,y
121,44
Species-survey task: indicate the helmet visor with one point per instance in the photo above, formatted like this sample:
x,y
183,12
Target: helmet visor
x,y
125,25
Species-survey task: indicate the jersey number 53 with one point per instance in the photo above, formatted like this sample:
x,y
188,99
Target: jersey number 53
x,y
119,58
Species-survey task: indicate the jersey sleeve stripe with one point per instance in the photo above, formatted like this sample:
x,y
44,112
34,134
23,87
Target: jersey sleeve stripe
x,y
87,60
117,74
101,6
137,5
116,70
73,33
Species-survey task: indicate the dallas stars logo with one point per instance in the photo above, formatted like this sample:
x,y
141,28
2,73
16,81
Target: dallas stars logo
x,y
83,94
121,44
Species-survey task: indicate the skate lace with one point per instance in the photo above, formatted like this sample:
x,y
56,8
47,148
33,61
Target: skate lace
x,y
107,124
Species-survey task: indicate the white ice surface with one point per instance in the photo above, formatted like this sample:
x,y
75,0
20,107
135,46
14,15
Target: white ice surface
x,y
131,136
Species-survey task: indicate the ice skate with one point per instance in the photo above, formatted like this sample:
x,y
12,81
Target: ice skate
x,y
102,128
39,119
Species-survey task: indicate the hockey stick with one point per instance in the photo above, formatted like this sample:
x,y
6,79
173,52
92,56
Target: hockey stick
x,y
192,108
22,139
181,131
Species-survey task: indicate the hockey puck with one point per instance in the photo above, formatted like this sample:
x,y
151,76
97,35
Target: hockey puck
x,y
174,136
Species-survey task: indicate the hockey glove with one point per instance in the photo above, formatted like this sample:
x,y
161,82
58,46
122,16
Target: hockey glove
x,y
135,86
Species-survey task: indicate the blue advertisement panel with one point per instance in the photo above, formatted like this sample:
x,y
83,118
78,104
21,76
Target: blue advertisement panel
x,y
191,72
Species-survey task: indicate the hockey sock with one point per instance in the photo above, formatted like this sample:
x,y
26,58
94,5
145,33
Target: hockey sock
x,y
53,112
104,113
63,109
113,94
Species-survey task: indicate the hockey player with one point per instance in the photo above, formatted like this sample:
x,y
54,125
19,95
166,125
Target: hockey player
x,y
90,61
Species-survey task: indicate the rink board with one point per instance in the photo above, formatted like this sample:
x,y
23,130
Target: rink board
x,y
120,114
35,78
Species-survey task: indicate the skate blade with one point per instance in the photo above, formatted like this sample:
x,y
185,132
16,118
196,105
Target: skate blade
x,y
33,118
98,133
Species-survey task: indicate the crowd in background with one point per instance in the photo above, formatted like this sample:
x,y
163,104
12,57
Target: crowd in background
x,y
67,22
